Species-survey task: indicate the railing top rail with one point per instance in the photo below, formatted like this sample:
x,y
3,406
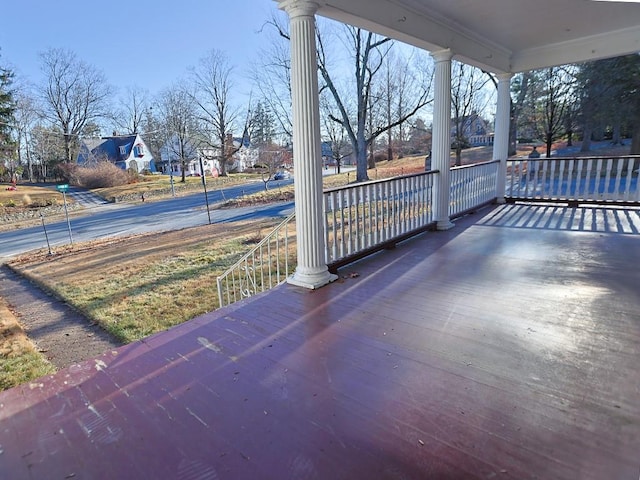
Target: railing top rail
x,y
382,180
261,243
471,165
553,158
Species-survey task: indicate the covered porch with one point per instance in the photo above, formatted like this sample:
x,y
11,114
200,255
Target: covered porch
x,y
506,347
502,38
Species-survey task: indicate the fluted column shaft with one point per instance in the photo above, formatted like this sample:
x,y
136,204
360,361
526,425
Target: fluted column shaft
x,y
441,139
501,138
311,271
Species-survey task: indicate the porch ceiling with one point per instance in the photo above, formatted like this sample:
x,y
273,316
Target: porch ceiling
x,y
501,35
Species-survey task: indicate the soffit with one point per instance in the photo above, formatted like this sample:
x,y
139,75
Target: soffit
x,y
501,35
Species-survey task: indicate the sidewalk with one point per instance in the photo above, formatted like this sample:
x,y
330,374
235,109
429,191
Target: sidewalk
x,y
62,333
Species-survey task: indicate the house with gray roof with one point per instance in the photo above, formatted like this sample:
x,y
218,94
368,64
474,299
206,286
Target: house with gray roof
x,y
129,152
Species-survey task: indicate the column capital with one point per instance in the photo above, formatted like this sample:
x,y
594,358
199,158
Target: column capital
x,y
442,55
299,8
504,77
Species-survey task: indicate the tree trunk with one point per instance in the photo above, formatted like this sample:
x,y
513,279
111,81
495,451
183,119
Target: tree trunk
x,y
586,137
635,142
549,139
361,158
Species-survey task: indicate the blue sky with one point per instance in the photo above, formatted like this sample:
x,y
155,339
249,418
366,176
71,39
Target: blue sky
x,y
146,43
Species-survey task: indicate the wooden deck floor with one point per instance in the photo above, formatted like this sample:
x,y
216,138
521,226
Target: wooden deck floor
x,y
507,347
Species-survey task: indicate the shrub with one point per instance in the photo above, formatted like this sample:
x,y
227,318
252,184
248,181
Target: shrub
x,y
101,175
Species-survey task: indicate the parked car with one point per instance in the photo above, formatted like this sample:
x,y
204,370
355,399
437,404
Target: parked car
x,y
282,175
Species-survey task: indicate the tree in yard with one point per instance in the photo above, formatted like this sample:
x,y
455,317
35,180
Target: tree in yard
x,y
47,150
368,52
356,102
272,77
271,158
26,116
467,97
552,93
73,94
7,120
131,112
177,113
397,87
610,97
262,125
333,131
7,105
213,85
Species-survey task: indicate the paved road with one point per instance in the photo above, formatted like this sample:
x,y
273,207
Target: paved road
x,y
108,220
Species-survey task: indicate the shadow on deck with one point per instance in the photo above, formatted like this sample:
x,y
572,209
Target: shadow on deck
x,y
507,347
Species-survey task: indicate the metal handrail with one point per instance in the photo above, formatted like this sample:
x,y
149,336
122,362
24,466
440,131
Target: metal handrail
x,y
268,264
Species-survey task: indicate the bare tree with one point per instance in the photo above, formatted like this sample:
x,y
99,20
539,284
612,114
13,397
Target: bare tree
x,y
271,157
47,149
176,110
367,52
467,84
552,94
334,131
271,74
26,115
401,84
212,94
73,94
132,111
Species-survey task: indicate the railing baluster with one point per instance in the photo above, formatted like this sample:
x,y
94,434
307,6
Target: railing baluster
x,y
616,188
607,180
629,176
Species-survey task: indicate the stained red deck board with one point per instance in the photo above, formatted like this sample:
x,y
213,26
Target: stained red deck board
x,y
506,347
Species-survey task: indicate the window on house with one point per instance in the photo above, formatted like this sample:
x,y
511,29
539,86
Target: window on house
x,y
138,150
123,150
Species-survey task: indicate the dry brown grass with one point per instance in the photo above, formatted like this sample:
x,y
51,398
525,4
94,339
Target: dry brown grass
x,y
28,196
19,360
140,285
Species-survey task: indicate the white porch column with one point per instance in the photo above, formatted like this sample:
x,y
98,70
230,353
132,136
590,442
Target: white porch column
x,y
501,138
312,271
441,137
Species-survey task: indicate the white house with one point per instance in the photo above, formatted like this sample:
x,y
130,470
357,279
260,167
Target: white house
x,y
129,152
172,153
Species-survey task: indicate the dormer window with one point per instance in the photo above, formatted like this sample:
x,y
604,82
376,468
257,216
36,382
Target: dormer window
x,y
138,150
123,150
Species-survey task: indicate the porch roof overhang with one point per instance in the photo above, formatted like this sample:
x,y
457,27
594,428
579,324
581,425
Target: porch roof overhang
x,y
501,36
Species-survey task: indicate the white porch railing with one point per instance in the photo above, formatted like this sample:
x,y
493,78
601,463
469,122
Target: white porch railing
x,y
473,185
588,179
268,264
361,218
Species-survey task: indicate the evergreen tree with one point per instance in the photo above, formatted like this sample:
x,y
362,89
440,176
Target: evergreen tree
x,y
7,107
262,125
610,98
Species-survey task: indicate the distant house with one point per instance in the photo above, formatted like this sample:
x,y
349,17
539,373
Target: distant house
x,y
129,152
172,155
474,129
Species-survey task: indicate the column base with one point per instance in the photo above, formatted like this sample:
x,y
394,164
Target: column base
x,y
444,225
311,281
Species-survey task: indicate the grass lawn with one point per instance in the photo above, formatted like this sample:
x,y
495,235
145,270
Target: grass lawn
x,y
19,360
159,186
29,196
140,285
